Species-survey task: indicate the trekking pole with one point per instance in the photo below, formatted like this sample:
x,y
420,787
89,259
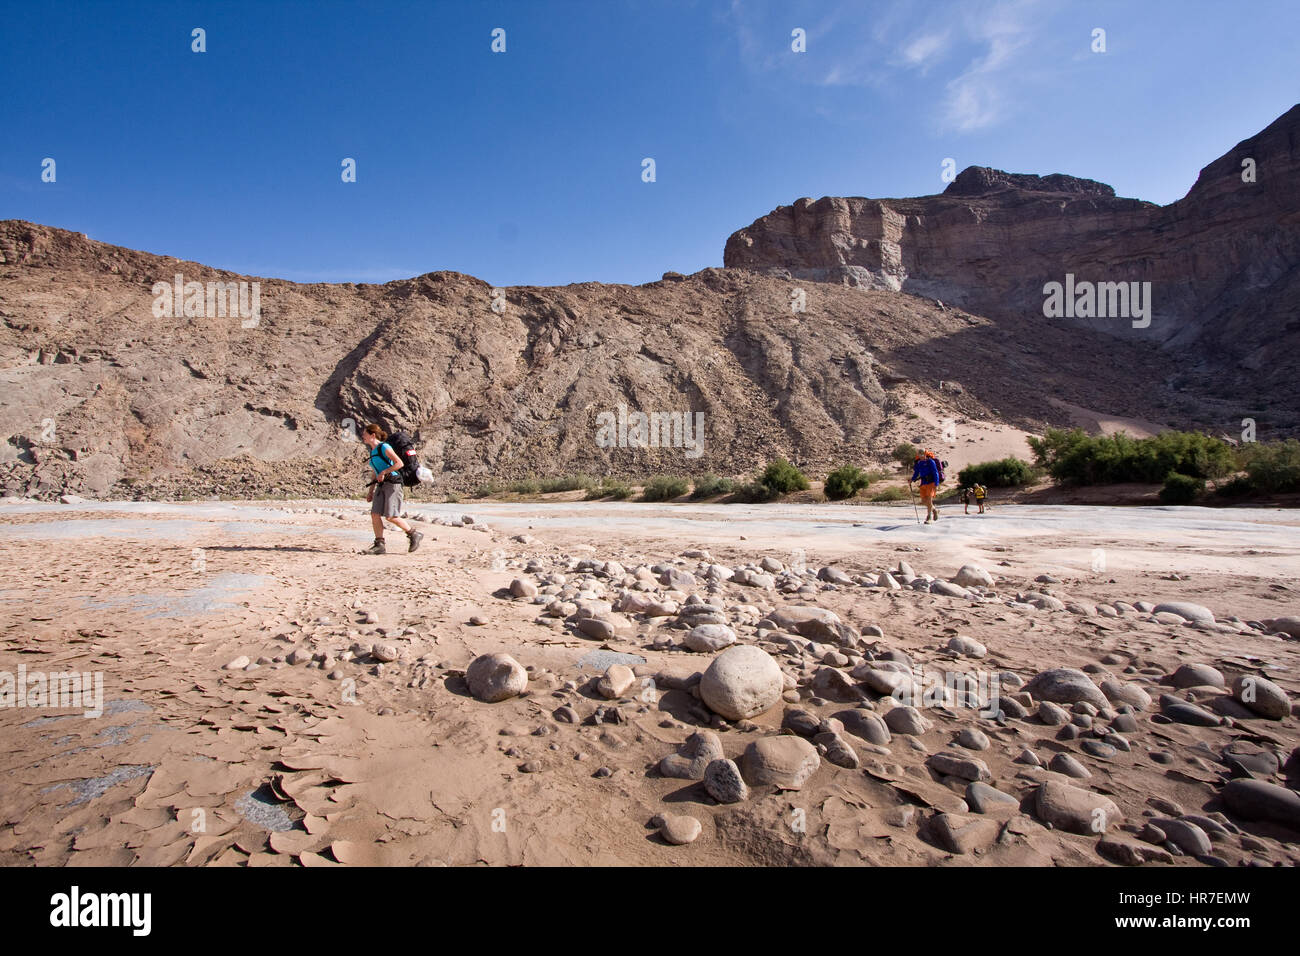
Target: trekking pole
x,y
912,492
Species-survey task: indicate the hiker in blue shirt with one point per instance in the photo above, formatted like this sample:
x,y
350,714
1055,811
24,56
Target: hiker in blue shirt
x,y
385,494
926,470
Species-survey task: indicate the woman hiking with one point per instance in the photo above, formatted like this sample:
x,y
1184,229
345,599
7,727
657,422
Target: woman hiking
x,y
385,494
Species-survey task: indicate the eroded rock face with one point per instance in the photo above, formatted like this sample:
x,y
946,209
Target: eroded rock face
x,y
992,240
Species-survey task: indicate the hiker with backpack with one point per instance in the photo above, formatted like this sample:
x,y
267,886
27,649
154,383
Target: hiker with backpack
x,y
965,499
385,492
927,469
980,494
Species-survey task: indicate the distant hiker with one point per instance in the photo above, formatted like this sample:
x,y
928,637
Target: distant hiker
x,y
385,493
980,494
965,499
926,470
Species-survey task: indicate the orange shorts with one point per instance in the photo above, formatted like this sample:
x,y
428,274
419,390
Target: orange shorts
x,y
927,492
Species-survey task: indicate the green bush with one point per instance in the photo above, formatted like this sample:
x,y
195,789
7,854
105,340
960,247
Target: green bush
x,y
566,483
845,482
609,488
526,486
753,492
1272,466
664,488
486,490
1181,489
891,494
1003,473
1079,458
710,486
782,478
905,454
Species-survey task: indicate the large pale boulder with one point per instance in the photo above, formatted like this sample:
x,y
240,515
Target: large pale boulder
x,y
786,762
743,681
496,677
1065,685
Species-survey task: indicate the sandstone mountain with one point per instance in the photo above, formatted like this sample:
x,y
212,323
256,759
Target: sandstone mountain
x,y
104,397
1223,262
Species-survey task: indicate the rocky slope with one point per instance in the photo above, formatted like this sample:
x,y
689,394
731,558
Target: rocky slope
x,y
102,397
1223,262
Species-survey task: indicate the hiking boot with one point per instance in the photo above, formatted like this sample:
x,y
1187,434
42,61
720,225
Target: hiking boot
x,y
376,548
415,537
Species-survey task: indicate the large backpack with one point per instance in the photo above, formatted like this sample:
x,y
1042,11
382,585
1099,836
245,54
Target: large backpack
x,y
410,470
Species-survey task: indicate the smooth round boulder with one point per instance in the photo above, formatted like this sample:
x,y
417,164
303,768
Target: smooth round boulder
x,y
972,575
967,646
741,682
1074,809
1186,609
678,829
1065,685
1196,675
1261,696
1125,692
785,762
706,638
866,725
496,677
1289,626
1260,800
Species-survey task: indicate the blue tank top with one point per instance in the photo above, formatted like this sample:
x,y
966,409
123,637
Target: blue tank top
x,y
378,460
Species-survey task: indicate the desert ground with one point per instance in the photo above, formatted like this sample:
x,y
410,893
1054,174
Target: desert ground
x,y
274,697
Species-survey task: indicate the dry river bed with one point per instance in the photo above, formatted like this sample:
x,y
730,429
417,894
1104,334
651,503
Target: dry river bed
x,y
261,693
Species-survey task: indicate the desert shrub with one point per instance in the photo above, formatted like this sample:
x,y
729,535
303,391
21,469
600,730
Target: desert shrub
x,y
905,454
752,492
1181,489
609,488
845,482
1076,457
664,488
526,486
485,490
1003,473
890,494
565,483
452,498
782,478
1272,466
710,486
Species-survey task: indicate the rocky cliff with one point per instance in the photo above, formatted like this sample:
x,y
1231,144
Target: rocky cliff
x,y
1223,262
101,395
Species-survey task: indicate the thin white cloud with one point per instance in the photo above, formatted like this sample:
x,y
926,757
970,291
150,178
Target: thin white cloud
x,y
925,49
980,97
980,49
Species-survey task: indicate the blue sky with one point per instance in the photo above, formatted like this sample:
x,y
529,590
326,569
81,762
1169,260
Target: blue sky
x,y
525,167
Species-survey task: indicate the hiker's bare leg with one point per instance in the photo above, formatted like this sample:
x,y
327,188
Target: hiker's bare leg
x,y
398,522
378,524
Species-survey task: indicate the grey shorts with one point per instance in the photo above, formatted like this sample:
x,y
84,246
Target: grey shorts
x,y
388,500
